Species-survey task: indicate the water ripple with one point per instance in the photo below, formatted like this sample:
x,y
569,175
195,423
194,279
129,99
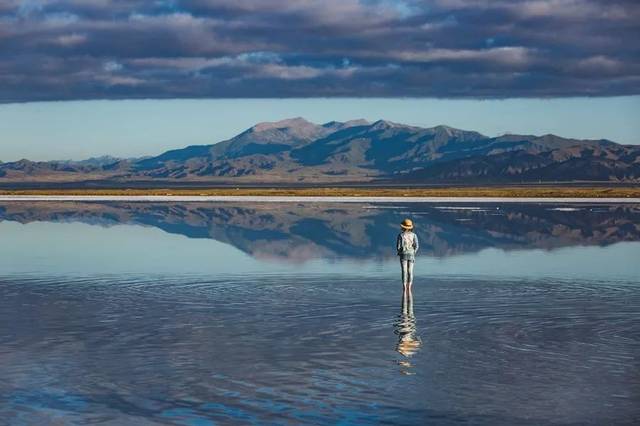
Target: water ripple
x,y
317,349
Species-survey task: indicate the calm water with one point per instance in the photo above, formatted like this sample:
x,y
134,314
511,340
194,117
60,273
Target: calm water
x,y
116,313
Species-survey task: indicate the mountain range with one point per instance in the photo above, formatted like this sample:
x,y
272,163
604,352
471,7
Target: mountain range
x,y
298,151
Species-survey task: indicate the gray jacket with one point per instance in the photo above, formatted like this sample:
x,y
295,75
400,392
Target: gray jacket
x,y
407,245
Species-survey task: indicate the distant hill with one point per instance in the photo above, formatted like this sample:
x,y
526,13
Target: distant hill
x,y
298,151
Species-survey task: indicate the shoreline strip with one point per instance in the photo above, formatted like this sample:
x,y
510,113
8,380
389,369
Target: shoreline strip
x,y
316,199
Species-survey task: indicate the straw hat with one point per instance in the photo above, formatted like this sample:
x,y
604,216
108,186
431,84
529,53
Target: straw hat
x,y
406,224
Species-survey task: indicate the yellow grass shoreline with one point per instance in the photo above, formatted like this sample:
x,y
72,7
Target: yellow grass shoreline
x,y
480,192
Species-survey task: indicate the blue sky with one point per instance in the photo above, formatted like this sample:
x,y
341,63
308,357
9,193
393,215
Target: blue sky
x,y
77,130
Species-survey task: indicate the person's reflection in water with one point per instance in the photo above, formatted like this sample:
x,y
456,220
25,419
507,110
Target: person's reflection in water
x,y
405,327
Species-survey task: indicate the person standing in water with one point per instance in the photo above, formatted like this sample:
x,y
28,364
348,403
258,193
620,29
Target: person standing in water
x,y
407,246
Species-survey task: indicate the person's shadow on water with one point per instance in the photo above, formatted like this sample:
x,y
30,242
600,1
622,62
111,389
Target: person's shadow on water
x,y
405,327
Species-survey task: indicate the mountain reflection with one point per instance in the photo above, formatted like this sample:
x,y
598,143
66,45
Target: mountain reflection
x,y
298,232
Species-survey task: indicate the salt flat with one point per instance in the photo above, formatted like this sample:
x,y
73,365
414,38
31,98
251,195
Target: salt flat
x,y
314,199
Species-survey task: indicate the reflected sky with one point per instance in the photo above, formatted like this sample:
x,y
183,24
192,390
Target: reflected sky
x,y
317,350
204,238
139,313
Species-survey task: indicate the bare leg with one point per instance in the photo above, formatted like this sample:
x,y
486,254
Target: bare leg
x,y
405,271
409,274
405,302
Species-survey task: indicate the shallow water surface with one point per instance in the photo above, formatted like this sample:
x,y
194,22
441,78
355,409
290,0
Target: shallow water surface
x,y
293,314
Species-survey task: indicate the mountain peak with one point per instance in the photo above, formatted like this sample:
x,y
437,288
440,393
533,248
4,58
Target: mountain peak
x,y
296,122
445,130
348,123
356,122
333,126
383,125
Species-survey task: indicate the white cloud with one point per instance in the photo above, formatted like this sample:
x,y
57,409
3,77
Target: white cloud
x,y
112,66
73,39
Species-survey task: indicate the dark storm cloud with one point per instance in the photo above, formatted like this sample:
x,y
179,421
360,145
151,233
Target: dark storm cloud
x,y
74,49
